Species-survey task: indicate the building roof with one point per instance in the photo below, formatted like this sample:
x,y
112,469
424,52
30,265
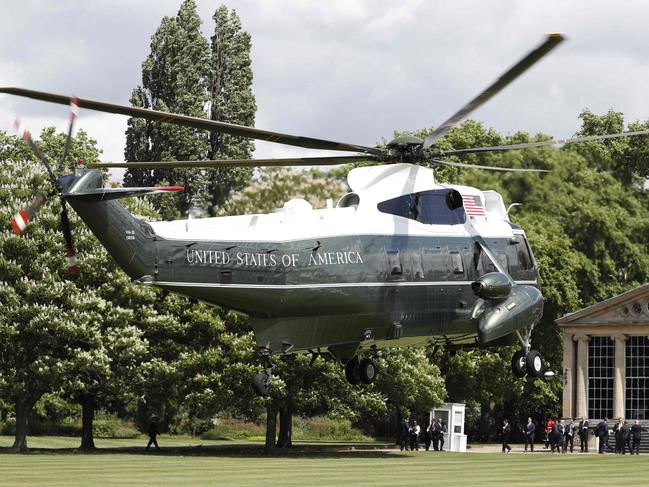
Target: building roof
x,y
628,308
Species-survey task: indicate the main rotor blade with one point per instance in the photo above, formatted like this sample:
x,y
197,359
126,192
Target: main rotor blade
x,y
510,75
489,168
296,161
195,122
530,145
74,110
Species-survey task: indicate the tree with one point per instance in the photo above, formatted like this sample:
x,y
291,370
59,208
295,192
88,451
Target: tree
x,y
175,78
231,101
77,338
275,186
42,320
182,74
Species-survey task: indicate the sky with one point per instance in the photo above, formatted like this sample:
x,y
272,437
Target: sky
x,y
347,70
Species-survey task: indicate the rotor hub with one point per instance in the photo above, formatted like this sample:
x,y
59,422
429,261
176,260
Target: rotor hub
x,y
406,148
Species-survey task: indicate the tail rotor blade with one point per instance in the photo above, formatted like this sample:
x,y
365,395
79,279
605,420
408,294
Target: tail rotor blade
x,y
27,137
70,252
22,219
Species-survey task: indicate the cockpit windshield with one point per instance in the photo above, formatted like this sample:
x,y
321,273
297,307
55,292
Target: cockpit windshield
x,y
435,207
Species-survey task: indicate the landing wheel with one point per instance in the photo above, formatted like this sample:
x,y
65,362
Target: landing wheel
x,y
352,371
519,364
260,384
367,370
534,364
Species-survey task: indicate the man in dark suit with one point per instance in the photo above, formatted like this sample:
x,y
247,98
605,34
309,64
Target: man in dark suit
x,y
507,430
153,436
569,436
405,430
528,432
557,441
636,436
583,434
441,431
427,436
435,428
617,434
625,433
602,435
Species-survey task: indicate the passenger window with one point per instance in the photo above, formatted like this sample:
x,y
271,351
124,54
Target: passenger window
x,y
456,261
417,266
394,262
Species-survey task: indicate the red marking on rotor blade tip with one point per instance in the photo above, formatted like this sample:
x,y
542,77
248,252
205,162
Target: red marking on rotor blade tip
x,y
170,188
74,106
20,221
71,258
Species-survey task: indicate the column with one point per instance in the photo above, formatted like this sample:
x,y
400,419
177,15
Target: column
x,y
581,386
568,360
619,377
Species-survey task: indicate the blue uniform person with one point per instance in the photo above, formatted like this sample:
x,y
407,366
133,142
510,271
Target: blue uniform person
x,y
529,433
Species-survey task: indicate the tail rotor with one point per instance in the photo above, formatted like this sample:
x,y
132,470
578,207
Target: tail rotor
x,y
24,217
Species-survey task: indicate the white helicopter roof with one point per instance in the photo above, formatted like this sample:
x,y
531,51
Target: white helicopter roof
x,y
392,180
359,215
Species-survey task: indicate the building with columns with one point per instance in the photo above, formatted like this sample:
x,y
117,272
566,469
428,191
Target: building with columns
x,y
606,358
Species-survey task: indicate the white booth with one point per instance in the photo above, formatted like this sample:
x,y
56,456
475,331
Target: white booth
x,y
452,415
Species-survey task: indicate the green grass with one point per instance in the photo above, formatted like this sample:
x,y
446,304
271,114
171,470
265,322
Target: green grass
x,y
53,462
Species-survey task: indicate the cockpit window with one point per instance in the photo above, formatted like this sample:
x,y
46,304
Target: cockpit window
x,y
525,262
436,207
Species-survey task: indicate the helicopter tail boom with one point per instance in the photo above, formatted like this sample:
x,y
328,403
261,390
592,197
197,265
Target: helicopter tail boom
x,y
127,238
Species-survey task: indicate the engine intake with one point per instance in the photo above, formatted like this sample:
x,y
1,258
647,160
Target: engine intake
x,y
494,285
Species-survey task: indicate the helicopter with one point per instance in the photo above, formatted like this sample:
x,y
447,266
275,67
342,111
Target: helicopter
x,y
400,260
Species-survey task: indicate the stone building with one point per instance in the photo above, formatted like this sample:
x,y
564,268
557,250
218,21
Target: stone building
x,y
606,358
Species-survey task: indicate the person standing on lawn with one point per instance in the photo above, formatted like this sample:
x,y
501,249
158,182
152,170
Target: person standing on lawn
x,y
506,433
153,436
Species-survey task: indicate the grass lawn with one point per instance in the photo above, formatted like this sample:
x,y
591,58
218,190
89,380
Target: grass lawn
x,y
190,461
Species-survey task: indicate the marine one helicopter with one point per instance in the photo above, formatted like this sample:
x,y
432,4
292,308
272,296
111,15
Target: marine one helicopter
x,y
401,260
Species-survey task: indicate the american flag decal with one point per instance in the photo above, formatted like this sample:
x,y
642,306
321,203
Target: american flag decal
x,y
473,205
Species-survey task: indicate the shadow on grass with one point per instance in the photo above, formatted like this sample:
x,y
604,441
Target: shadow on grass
x,y
237,450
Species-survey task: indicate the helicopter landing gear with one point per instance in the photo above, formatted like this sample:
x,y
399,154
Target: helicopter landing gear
x,y
359,370
261,382
527,361
518,364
